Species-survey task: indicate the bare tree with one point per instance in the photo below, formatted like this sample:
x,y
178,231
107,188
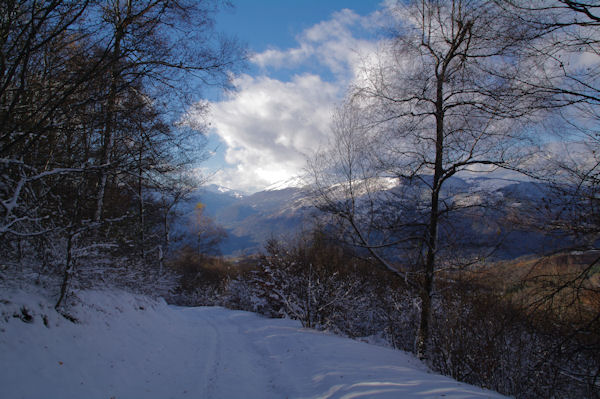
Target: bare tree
x,y
154,42
207,234
441,97
568,294
91,102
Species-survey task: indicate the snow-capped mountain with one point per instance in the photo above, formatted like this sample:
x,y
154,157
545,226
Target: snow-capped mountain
x,y
284,210
214,188
252,219
294,182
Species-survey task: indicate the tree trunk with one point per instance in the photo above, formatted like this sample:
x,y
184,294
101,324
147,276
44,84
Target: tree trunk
x,y
141,209
109,138
432,238
67,274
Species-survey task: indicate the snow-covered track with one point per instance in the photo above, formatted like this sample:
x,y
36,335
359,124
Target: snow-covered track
x,y
129,346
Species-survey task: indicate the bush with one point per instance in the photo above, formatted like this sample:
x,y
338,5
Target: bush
x,y
481,338
202,278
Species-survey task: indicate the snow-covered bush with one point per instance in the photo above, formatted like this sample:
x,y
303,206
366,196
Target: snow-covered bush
x,y
481,338
309,280
201,279
323,285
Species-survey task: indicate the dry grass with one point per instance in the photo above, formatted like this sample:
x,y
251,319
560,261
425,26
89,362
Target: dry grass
x,y
566,286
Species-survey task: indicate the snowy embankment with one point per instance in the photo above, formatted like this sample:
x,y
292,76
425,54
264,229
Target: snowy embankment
x,y
128,346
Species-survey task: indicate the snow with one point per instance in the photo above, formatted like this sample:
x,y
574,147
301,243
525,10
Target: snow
x,y
292,182
131,346
215,188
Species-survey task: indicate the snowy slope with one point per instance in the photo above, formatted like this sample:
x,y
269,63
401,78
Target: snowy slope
x,y
284,210
130,346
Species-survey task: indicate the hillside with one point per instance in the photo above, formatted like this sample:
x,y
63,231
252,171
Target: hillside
x,y
128,346
251,219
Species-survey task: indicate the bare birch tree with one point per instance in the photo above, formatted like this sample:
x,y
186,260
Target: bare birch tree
x,y
441,97
568,294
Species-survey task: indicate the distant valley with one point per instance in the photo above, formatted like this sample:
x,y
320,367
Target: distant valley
x,y
251,219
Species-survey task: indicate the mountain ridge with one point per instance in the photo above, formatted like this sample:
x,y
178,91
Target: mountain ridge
x,y
251,219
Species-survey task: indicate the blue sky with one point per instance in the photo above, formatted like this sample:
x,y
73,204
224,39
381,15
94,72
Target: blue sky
x,y
305,54
276,23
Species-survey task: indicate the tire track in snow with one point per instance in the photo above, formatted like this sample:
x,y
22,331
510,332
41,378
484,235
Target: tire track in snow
x,y
205,338
212,365
234,368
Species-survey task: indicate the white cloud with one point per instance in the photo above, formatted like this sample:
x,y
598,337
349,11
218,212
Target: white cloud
x,y
283,58
269,126
330,43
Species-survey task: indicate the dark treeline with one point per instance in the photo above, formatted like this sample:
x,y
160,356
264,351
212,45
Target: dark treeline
x,y
94,149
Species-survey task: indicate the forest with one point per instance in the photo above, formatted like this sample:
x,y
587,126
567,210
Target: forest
x,y
98,155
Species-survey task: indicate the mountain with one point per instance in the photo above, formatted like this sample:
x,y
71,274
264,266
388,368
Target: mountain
x,y
214,188
283,210
251,219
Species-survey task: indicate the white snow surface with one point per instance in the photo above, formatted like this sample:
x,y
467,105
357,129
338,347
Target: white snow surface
x,y
131,346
